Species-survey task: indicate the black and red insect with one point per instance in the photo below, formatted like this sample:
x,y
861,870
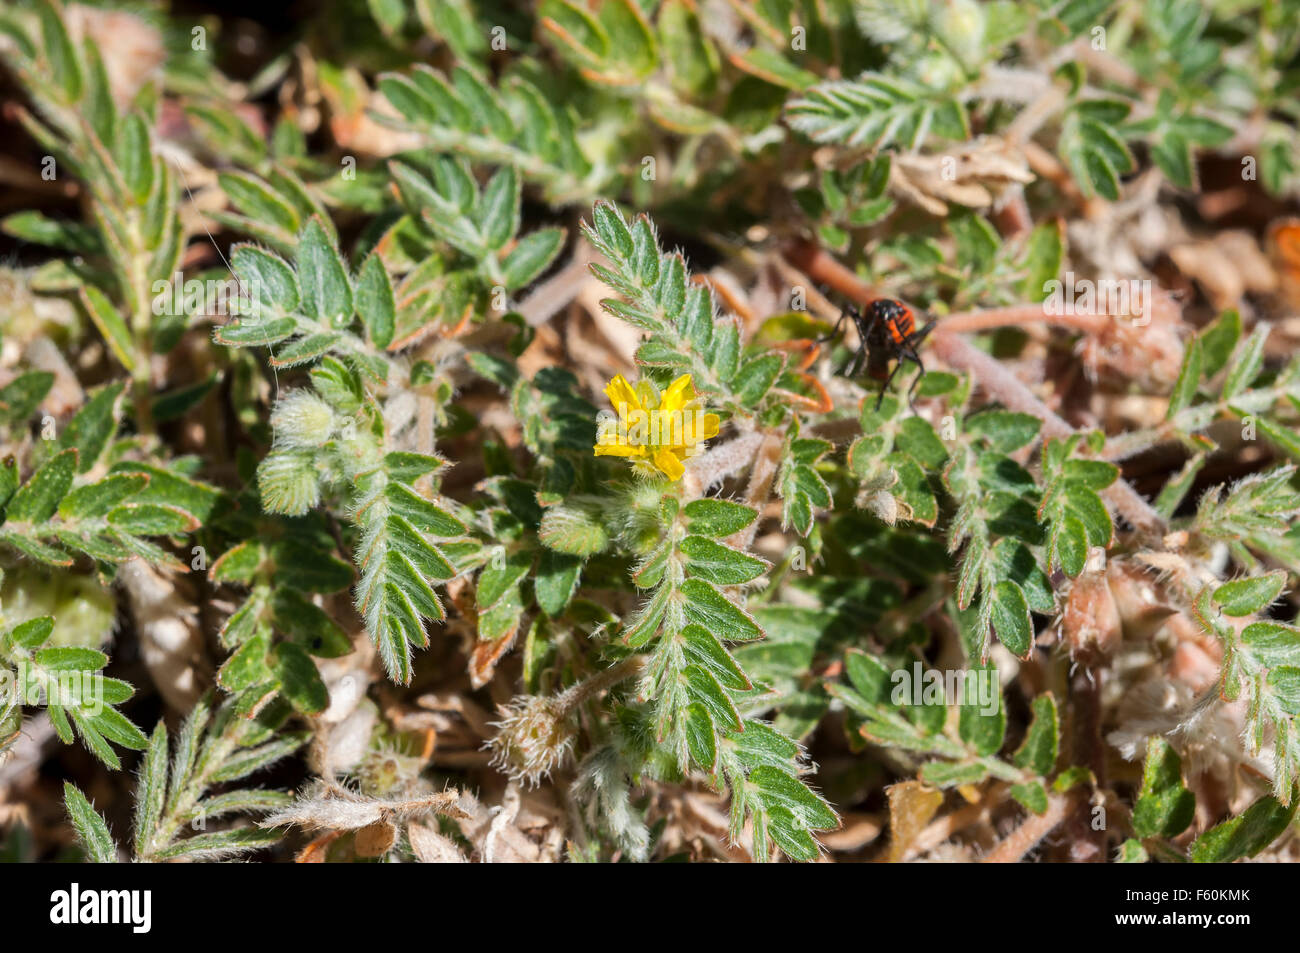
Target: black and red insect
x,y
887,334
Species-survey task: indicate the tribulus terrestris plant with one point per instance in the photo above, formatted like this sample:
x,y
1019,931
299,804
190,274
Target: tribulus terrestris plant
x,y
643,430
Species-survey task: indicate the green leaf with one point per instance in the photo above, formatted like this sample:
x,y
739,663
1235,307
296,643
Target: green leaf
x,y
1072,546
151,792
255,333
611,230
876,110
110,324
21,396
247,666
1093,149
917,438
868,675
1189,379
116,727
172,489
1086,506
308,624
259,201
1245,835
702,687
710,609
1218,341
1243,597
556,580
91,830
176,403
717,518
1132,852
430,518
703,649
1037,753
981,730
93,426
756,377
1032,796
38,499
1272,643
1011,618
500,576
1164,806
59,51
309,568
779,787
946,774
1284,682
1247,363
323,278
719,564
218,844
1013,560
134,155
701,737
299,679
33,633
267,281
1044,252
498,211
152,519
375,302
531,256
71,658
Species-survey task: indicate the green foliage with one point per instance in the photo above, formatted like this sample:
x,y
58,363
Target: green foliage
x,y
213,747
403,405
67,681
86,499
961,721
135,238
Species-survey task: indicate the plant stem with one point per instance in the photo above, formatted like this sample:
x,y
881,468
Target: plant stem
x,y
1005,387
575,695
1037,826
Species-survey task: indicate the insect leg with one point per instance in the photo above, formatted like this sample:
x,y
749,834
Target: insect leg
x,y
848,313
909,353
880,398
920,335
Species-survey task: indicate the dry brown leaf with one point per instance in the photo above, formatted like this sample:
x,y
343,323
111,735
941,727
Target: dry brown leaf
x,y
911,805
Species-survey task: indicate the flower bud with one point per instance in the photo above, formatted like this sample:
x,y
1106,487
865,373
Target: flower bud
x,y
302,421
288,483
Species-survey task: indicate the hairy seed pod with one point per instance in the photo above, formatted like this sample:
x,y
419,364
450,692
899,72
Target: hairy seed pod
x,y
534,737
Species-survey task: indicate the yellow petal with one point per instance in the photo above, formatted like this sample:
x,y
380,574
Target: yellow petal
x,y
667,461
647,393
679,393
618,450
620,393
698,427
709,425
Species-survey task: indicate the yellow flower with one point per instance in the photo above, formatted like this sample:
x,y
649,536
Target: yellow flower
x,y
655,430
